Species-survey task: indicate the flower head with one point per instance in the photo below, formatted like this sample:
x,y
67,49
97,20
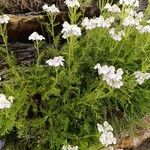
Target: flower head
x,y
116,36
143,29
106,138
4,19
52,9
56,61
130,21
89,23
141,77
70,30
114,8
4,102
97,22
72,3
36,37
112,76
132,3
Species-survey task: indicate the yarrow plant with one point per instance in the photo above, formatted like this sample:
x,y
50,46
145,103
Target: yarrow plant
x,y
52,12
36,38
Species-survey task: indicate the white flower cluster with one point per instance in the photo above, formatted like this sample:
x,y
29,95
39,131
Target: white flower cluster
x,y
52,9
110,75
130,21
56,61
97,22
70,30
69,147
143,29
36,37
141,77
4,102
4,19
114,8
133,18
116,36
131,12
132,3
72,3
107,137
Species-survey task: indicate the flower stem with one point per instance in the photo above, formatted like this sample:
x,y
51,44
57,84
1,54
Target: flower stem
x,y
36,45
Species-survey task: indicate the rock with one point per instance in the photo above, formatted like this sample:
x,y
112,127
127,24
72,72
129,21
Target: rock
x,y
141,138
2,144
21,26
23,52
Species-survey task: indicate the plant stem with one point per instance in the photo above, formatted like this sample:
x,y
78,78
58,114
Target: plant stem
x,y
56,76
8,59
36,45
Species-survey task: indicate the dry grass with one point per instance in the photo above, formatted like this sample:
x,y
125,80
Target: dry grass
x,y
24,6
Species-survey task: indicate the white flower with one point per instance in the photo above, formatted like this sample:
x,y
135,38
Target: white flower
x,y
112,76
130,21
100,21
97,22
4,19
110,19
11,98
56,61
114,8
69,147
100,128
129,11
143,29
139,16
132,3
89,23
4,102
141,77
106,138
116,36
105,127
52,9
36,37
70,30
72,3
